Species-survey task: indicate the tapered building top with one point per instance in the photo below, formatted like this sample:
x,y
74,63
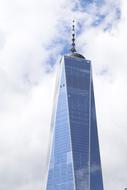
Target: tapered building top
x,y
73,48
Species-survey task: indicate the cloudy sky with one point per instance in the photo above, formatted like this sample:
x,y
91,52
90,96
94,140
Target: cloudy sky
x,y
34,34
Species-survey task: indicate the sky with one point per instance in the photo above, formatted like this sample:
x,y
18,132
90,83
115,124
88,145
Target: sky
x,y
34,34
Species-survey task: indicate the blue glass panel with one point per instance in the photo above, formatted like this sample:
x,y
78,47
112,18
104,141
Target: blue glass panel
x,y
78,88
75,158
60,175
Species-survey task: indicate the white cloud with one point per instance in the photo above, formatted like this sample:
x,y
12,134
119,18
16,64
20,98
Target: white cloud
x,y
26,90
25,121
27,28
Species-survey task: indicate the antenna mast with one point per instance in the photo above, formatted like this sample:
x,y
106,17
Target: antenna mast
x,y
73,49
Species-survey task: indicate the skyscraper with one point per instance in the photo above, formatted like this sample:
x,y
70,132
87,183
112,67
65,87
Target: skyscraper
x,y
74,160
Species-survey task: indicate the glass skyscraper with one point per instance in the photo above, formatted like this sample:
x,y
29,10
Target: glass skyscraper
x,y
74,160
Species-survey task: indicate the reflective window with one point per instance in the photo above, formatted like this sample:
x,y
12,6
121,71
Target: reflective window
x,y
60,174
75,157
78,88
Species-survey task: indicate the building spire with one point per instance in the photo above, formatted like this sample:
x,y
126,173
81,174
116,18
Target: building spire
x,y
73,49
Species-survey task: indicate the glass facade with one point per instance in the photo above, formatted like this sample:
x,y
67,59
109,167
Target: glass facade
x,y
74,150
